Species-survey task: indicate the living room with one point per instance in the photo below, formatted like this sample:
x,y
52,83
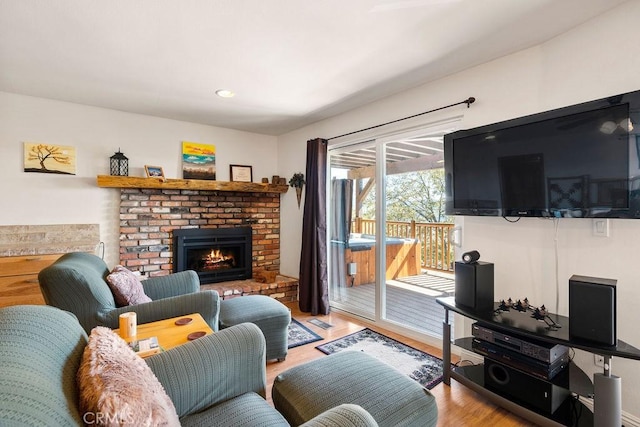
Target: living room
x,y
596,59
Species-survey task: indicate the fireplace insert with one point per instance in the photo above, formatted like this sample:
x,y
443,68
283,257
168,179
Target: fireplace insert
x,y
216,254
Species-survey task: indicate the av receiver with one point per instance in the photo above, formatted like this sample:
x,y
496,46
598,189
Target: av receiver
x,y
535,367
540,350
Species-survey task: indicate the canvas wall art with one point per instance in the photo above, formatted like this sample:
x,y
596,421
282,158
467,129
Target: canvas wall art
x,y
198,161
49,158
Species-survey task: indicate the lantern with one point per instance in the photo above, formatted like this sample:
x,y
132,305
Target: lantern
x,y
119,164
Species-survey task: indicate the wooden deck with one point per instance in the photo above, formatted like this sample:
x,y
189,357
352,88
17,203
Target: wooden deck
x,y
410,300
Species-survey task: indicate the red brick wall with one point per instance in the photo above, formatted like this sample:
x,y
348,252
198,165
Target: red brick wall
x,y
148,216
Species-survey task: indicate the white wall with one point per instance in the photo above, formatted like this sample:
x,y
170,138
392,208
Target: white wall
x,y
597,59
96,133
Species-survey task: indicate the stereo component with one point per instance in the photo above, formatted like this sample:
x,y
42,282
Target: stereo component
x,y
592,309
531,366
540,350
474,285
508,381
470,257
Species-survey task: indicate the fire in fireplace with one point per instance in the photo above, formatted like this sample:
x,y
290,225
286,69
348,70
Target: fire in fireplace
x,y
216,254
214,260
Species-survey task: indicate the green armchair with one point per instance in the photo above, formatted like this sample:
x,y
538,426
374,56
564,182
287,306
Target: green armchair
x,y
223,383
76,282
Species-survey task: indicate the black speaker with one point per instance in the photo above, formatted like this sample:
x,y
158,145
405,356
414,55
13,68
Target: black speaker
x,y
471,256
592,309
474,285
533,391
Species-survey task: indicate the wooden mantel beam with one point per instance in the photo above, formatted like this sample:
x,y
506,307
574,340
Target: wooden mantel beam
x,y
109,181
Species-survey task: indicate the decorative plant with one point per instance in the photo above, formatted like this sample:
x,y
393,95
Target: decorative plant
x,y
297,182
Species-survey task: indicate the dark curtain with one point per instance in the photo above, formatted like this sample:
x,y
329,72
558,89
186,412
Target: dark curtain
x,y
313,290
340,217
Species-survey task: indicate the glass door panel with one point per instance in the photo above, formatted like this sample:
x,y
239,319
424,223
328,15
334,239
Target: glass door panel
x,y
414,206
352,236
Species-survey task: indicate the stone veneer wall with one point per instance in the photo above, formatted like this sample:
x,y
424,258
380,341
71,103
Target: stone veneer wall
x,y
148,217
20,240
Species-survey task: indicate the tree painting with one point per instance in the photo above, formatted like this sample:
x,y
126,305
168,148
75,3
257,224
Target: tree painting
x,y
48,158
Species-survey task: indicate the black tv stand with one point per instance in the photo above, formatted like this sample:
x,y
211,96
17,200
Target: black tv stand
x,y
572,412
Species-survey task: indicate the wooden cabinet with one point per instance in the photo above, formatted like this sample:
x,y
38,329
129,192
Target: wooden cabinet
x,y
19,278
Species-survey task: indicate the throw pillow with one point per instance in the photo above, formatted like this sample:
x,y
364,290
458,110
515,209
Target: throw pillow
x,y
118,388
126,287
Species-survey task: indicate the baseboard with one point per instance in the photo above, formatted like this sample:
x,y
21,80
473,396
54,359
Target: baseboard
x,y
628,420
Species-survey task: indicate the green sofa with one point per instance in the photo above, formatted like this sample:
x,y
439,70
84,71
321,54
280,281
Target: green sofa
x,y
223,383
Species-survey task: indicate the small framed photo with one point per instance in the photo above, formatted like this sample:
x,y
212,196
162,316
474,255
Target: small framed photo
x,y
154,171
241,173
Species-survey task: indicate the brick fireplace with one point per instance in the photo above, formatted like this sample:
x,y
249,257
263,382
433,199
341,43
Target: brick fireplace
x,y
149,216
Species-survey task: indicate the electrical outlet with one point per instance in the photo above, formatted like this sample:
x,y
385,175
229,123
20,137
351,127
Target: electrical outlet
x,y
600,227
598,360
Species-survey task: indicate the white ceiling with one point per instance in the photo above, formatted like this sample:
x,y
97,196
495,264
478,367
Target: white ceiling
x,y
290,62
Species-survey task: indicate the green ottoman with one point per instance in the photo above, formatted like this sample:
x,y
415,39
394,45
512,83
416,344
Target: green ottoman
x,y
393,399
270,315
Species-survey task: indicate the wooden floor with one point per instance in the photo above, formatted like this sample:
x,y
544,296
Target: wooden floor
x,y
457,405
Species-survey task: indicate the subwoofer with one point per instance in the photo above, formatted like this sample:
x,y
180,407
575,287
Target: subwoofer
x,y
474,285
512,383
592,309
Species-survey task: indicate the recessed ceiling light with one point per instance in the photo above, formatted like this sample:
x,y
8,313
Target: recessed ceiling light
x,y
225,93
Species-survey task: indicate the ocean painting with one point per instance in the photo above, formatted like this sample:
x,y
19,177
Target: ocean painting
x,y
198,161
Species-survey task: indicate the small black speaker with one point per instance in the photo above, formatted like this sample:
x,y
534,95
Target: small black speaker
x,y
592,309
470,257
474,285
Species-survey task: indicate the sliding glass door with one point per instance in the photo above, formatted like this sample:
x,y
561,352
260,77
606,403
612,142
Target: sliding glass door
x,y
389,251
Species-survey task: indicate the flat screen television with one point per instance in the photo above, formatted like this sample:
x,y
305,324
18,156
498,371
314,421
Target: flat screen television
x,y
581,161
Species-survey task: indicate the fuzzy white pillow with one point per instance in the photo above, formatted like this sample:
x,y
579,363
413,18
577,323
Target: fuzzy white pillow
x,y
118,388
126,287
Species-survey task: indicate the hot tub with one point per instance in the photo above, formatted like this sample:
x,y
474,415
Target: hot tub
x,y
402,257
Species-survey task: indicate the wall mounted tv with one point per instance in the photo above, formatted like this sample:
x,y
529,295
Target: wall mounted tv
x,y
581,161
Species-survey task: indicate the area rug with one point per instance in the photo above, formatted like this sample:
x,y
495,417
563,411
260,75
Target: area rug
x,y
301,335
424,368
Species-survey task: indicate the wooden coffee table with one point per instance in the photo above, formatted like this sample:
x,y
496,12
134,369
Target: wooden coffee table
x,y
169,333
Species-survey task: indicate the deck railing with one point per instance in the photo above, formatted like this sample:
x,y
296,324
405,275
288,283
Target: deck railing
x,y
436,252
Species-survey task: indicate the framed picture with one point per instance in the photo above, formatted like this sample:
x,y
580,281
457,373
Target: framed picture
x,y
49,158
154,171
241,173
198,160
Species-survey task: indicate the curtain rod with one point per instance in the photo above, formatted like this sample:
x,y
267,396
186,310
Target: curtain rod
x,y
468,101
